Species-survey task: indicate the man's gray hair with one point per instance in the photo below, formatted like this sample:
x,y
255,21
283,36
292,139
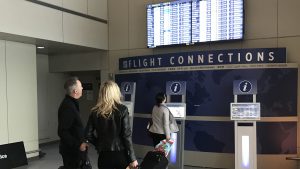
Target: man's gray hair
x,y
70,84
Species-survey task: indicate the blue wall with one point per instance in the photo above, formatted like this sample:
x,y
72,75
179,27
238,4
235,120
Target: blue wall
x,y
209,93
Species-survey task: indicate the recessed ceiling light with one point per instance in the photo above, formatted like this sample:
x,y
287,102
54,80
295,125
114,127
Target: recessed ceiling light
x,y
41,47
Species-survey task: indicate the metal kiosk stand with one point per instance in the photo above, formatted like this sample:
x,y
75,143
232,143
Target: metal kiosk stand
x,y
128,89
178,110
245,115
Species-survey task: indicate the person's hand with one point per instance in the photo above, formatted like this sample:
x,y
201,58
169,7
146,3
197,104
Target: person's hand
x,y
83,146
133,164
168,138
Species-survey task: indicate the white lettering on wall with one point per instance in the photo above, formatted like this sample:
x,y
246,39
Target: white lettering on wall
x,y
260,56
271,56
172,60
230,57
145,63
190,59
219,58
207,58
210,58
180,60
159,61
200,59
248,57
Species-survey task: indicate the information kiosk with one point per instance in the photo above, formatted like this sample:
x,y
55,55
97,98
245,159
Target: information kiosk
x,y
178,110
245,115
128,92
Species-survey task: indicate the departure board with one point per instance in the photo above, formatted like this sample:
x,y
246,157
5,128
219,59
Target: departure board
x,y
192,21
215,20
169,23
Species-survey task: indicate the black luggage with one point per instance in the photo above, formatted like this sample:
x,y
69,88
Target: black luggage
x,y
154,160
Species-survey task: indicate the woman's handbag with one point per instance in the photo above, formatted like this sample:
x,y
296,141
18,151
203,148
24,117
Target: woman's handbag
x,y
173,124
150,123
85,161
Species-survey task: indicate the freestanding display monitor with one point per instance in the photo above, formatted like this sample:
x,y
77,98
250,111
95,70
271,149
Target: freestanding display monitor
x,y
245,115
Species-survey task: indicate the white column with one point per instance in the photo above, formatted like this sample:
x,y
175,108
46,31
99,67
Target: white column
x,y
22,95
3,101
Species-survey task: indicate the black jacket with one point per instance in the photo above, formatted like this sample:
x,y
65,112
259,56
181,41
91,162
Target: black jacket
x,y
70,128
113,133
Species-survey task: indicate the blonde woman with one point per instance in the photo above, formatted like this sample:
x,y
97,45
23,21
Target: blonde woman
x,y
110,121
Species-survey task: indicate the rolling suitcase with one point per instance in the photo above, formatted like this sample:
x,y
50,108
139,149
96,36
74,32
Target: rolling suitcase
x,y
154,160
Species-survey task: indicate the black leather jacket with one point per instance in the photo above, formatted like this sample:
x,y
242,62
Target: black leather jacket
x,y
113,133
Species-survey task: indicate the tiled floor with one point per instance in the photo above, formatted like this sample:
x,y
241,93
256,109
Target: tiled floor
x,y
52,159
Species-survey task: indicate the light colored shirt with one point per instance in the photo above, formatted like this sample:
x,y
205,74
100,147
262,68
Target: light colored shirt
x,y
160,118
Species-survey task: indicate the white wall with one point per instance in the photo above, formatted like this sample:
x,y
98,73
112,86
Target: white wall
x,y
28,19
78,5
89,97
50,94
83,31
78,62
96,8
22,94
42,91
54,2
19,93
3,101
20,17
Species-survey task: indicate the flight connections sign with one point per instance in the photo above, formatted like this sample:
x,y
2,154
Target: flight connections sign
x,y
198,58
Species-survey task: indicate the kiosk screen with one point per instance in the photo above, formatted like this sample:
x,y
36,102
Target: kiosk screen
x,y
245,111
178,110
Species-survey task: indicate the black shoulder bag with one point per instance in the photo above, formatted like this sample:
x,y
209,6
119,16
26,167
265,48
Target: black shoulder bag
x,y
85,161
150,123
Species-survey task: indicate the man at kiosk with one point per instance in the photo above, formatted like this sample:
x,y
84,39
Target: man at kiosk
x,y
163,121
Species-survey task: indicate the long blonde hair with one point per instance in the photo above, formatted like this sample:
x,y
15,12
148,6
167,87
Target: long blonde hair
x,y
109,96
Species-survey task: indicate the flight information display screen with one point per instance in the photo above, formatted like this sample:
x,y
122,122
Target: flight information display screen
x,y
169,23
245,111
192,21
